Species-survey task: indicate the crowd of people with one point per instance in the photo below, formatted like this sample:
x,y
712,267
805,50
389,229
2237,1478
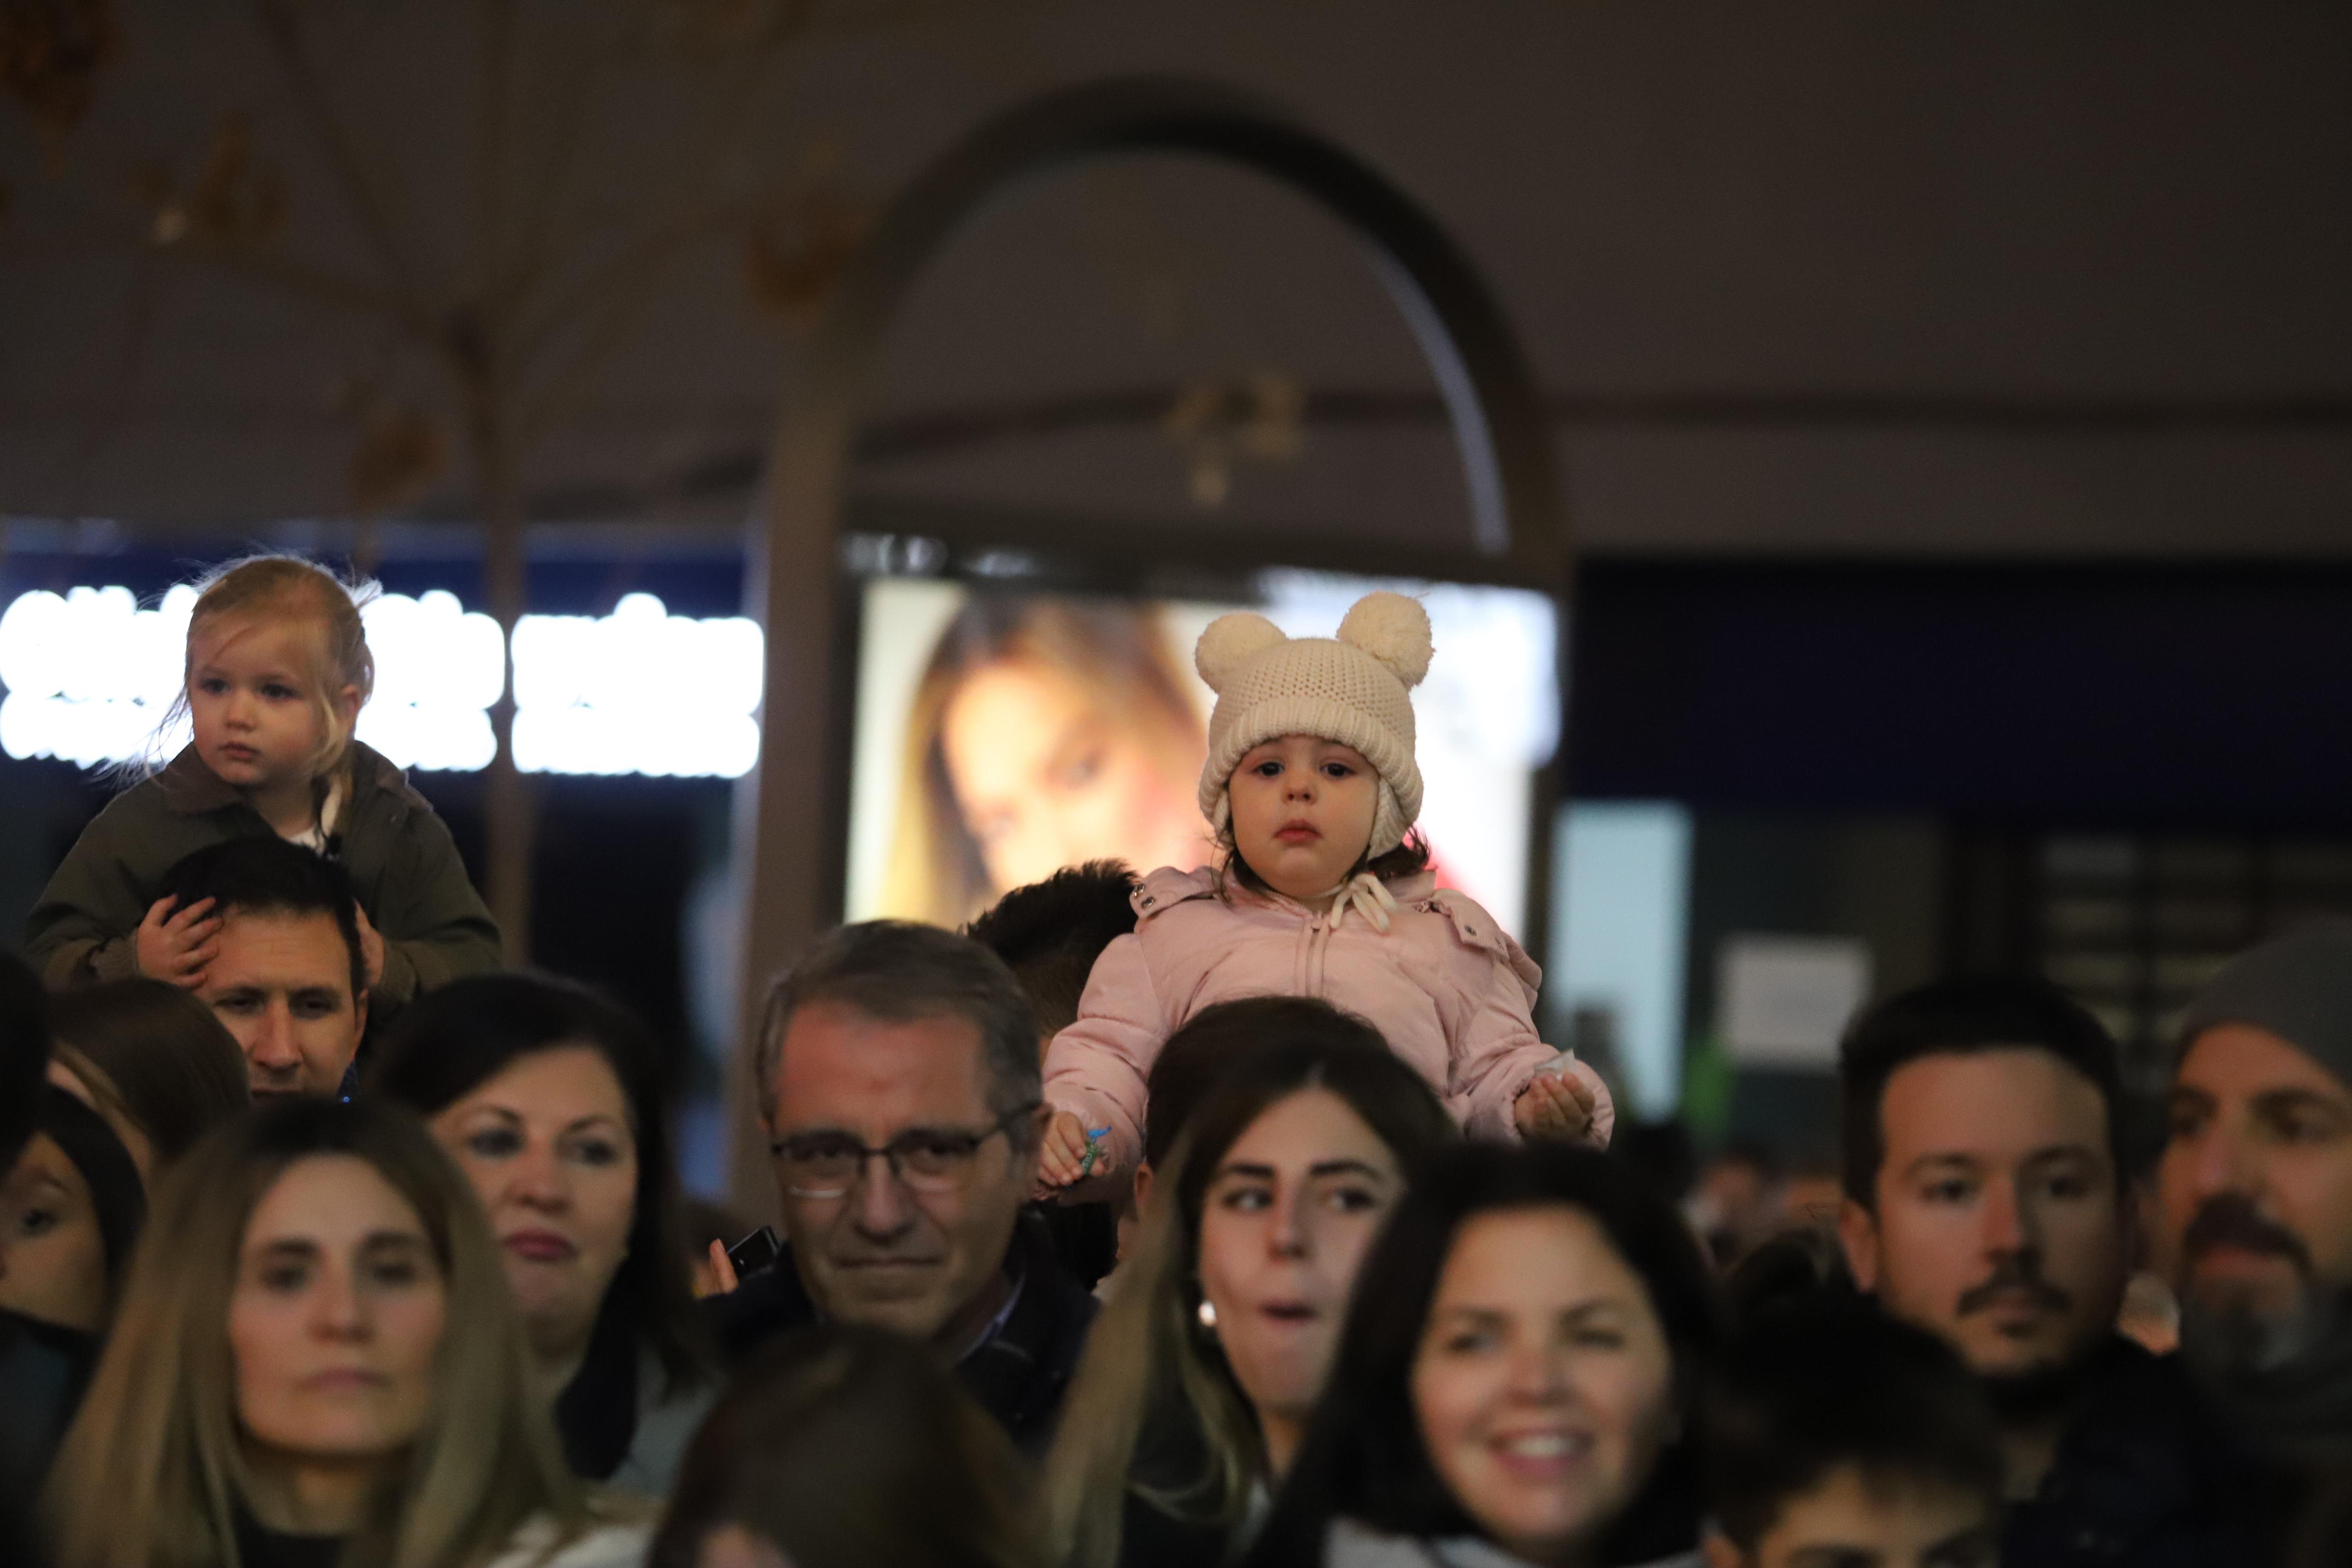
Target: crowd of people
x,y
1234,1215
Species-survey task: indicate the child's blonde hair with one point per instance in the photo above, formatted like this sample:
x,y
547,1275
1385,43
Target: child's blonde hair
x,y
289,587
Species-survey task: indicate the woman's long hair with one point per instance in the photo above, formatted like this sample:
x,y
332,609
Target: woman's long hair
x,y
936,871
117,1199
845,1446
153,1472
1150,1378
452,1040
1364,1459
161,1057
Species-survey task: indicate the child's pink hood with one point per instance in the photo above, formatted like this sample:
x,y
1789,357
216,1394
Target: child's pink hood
x,y
1443,971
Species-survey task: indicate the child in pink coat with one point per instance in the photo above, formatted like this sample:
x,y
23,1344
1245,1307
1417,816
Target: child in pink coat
x,y
1312,789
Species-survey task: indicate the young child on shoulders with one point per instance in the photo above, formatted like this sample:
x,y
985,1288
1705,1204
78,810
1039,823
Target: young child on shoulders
x,y
278,669
1312,790
1834,1433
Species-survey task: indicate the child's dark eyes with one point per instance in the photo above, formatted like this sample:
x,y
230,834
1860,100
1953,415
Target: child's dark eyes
x,y
1337,770
1269,769
211,686
278,694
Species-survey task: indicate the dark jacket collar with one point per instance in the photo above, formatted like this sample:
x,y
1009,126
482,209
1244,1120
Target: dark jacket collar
x,y
2147,1474
596,1414
191,789
1017,1374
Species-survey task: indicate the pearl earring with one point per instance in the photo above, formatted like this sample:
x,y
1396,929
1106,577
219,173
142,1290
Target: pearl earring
x,y
1208,1314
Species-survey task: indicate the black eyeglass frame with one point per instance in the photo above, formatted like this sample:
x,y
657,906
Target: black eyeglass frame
x,y
893,1153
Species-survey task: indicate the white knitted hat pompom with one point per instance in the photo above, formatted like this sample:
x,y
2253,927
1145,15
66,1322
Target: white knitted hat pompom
x,y
1233,640
1392,629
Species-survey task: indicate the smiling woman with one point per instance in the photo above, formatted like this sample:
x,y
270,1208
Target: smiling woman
x,y
1520,1383
552,1100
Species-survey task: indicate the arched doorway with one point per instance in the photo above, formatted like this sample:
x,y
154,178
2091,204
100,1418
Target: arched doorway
x,y
787,810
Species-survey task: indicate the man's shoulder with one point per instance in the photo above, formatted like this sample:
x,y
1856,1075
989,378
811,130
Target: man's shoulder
x,y
2147,1474
1021,1372
765,1307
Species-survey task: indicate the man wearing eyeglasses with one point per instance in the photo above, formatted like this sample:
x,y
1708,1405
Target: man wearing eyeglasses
x,y
899,1091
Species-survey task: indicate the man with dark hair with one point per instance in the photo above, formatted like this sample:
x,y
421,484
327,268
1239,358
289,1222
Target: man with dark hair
x,y
2255,1189
901,1092
287,975
1832,1434
1986,1202
1050,933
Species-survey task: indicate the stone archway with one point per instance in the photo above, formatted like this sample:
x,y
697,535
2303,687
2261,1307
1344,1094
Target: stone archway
x,y
787,811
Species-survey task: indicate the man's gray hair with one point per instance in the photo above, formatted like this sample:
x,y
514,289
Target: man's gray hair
x,y
897,971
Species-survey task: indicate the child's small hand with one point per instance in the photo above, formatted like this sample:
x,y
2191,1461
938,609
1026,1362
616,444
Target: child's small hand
x,y
1553,1107
370,947
1062,1158
176,947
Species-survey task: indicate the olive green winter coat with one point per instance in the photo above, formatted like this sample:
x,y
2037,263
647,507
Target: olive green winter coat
x,y
404,868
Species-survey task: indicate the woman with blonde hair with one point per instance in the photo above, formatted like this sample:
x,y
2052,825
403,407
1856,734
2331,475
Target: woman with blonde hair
x,y
317,1362
1200,1376
1044,733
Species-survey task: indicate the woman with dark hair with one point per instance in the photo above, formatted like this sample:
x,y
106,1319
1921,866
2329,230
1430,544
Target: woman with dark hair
x,y
845,1446
1199,1376
552,1100
1515,1381
70,1210
151,1060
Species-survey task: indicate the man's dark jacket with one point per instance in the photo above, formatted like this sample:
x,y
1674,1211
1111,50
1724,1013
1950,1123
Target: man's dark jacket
x,y
2147,1476
1018,1374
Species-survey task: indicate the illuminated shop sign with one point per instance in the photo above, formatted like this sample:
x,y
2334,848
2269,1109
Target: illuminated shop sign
x,y
91,676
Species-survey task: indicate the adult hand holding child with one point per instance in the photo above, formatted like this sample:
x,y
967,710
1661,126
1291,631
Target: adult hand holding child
x,y
370,947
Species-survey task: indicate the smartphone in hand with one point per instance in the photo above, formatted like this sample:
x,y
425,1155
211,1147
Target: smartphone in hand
x,y
756,1252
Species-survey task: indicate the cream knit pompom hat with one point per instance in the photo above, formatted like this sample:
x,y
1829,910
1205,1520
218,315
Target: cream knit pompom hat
x,y
1354,689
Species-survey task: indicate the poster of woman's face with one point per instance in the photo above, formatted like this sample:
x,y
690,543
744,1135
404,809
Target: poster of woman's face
x,y
1004,735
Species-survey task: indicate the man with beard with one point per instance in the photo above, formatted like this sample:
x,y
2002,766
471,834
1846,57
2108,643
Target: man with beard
x,y
2256,1199
1986,1203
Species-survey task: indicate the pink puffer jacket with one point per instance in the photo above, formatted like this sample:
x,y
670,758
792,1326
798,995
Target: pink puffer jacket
x,y
1447,986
